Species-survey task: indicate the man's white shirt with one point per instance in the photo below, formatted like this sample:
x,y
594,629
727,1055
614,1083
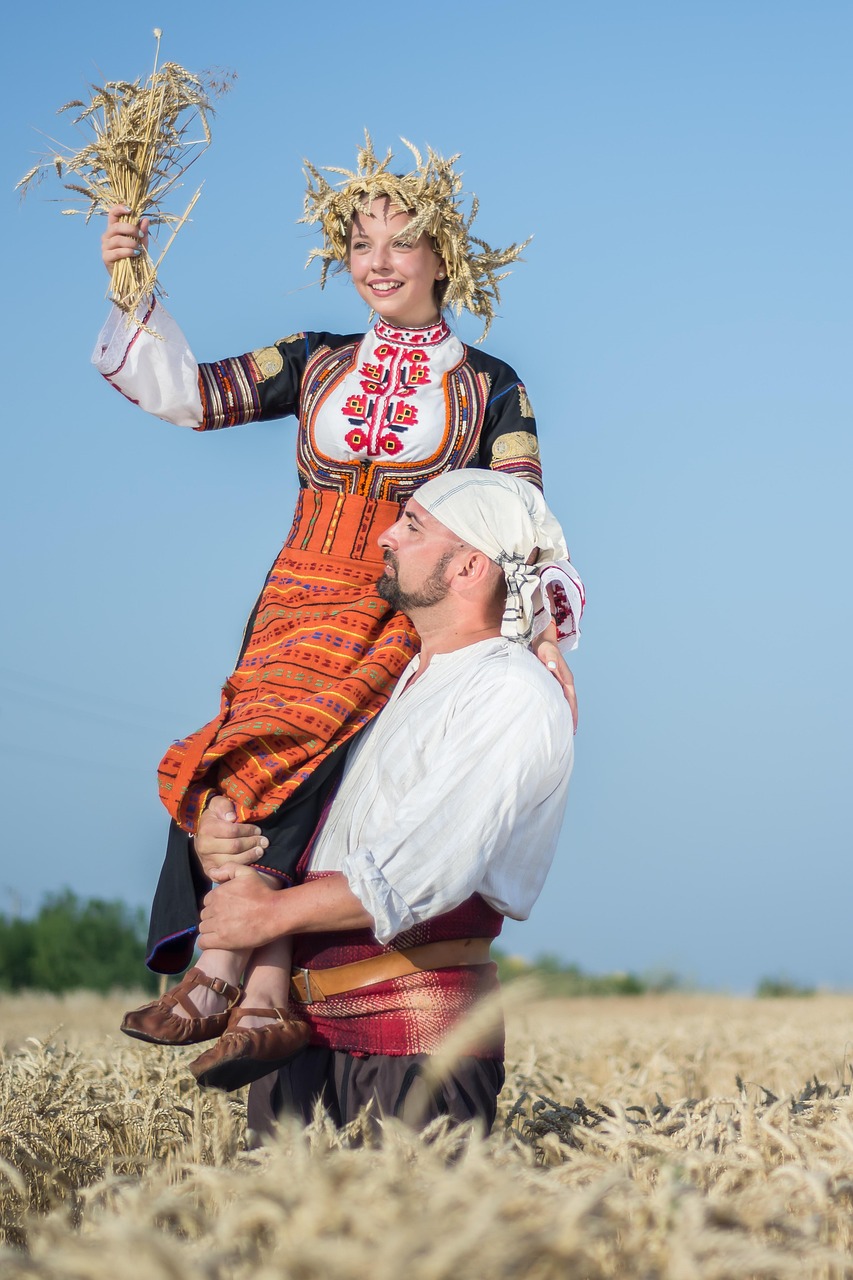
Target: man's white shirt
x,y
458,787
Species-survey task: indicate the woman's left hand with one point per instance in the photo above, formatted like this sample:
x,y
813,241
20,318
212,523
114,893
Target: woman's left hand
x,y
548,652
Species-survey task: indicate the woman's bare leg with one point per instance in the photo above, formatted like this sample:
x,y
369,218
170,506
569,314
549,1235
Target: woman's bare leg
x,y
267,980
253,1042
230,966
227,965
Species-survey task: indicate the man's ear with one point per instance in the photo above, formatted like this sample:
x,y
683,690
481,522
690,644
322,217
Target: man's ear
x,y
474,568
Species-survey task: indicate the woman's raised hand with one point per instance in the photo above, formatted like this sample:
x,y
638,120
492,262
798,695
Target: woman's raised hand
x,y
122,239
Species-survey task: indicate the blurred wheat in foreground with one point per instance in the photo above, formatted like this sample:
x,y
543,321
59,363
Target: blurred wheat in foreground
x,y
667,1136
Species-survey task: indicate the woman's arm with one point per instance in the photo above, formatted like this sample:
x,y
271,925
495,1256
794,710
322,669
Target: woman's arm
x,y
547,650
508,440
147,359
150,362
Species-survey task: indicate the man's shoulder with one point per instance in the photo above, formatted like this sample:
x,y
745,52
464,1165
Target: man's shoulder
x,y
513,675
525,671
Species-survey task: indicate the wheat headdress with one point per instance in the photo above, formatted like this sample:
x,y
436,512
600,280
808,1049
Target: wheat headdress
x,y
432,193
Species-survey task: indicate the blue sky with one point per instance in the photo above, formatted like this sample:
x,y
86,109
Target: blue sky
x,y
683,324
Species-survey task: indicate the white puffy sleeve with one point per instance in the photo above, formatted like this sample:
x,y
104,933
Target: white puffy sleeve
x,y
561,598
151,364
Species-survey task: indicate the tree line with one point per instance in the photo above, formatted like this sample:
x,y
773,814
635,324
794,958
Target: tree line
x,y
94,945
72,944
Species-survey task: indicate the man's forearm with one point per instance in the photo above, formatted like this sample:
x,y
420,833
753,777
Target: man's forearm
x,y
327,903
245,912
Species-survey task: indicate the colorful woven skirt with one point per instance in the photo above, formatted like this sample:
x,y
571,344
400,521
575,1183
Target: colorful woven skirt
x,y
321,655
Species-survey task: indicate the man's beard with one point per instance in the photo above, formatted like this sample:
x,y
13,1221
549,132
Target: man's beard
x,y
431,592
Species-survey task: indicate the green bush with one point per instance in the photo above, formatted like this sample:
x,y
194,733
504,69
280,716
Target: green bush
x,y
71,944
556,978
777,988
17,943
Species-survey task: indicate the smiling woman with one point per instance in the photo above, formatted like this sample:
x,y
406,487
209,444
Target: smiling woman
x,y
378,415
396,277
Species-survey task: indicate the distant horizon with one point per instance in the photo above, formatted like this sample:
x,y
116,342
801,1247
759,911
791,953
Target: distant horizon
x,y
682,322
656,981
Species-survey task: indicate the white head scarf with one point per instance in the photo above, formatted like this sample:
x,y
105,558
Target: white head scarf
x,y
507,519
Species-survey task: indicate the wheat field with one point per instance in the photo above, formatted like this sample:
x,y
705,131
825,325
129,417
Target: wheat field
x,y
672,1136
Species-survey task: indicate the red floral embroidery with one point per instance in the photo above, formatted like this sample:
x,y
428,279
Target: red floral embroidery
x,y
356,439
356,406
405,415
389,378
429,335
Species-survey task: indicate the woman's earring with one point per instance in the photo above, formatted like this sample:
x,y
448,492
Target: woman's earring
x,y
439,275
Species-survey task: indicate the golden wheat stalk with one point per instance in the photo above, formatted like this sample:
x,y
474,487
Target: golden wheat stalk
x,y
111,1162
141,146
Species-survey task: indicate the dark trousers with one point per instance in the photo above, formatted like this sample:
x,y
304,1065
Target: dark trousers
x,y
394,1086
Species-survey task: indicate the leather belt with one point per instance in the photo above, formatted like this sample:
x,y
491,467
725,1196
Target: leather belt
x,y
308,986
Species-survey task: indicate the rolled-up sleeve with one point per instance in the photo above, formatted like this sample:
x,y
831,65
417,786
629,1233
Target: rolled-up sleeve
x,y
391,913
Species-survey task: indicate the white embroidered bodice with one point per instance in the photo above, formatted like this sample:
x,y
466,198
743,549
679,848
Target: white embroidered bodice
x,y
391,405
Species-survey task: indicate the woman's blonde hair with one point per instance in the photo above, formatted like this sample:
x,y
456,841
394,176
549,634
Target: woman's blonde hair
x,y
432,193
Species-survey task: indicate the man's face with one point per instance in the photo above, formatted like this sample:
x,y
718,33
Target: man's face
x,y
417,551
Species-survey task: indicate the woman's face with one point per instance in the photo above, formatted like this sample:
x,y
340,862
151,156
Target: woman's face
x,y
395,278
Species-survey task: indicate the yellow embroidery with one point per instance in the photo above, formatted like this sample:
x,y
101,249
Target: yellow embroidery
x,y
516,444
524,403
269,361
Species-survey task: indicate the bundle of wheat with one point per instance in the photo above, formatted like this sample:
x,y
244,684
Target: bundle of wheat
x,y
139,149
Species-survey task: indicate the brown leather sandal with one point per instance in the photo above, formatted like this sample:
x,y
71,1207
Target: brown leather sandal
x,y
241,1056
158,1024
